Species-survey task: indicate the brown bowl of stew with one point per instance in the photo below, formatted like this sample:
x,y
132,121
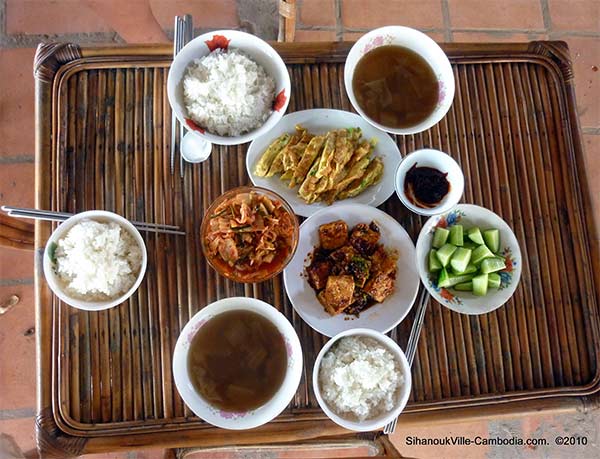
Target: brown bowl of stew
x,y
249,234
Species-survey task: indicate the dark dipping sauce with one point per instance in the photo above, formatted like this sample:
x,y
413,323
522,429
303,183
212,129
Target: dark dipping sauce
x,y
395,86
237,361
426,186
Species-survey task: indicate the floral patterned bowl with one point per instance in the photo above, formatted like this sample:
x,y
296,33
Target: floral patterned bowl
x,y
465,302
255,48
238,420
422,45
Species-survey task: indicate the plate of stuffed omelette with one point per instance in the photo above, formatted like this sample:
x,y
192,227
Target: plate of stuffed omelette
x,y
317,158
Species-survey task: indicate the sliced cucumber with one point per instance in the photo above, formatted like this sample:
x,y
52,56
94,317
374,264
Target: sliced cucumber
x,y
460,259
456,235
434,263
494,280
470,269
480,285
448,280
491,265
464,286
440,237
480,254
491,238
475,235
442,278
469,244
444,253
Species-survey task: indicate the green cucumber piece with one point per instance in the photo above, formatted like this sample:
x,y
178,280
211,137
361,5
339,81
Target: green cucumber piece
x,y
491,238
494,280
491,265
470,269
464,286
475,235
456,235
442,278
448,280
480,285
469,244
440,237
434,263
460,259
480,254
444,253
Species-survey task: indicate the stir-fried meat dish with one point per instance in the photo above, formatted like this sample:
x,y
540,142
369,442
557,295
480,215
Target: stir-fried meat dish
x,y
329,167
350,270
250,231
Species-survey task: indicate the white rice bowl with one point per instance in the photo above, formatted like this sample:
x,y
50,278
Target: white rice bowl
x,y
227,93
359,378
97,261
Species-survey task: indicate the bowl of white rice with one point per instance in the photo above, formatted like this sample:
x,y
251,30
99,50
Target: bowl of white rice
x,y
361,379
95,260
228,87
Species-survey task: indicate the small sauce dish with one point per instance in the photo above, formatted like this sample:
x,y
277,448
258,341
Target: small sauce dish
x,y
439,161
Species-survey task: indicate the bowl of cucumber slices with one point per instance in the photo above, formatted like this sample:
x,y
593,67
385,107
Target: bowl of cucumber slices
x,y
469,259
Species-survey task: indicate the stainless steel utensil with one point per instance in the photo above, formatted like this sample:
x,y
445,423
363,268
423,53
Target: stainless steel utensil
x,y
413,340
187,34
49,215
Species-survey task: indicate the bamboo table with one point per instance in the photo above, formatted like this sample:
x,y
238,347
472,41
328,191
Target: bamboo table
x,y
102,141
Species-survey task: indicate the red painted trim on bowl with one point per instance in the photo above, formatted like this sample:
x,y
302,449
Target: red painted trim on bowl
x,y
279,101
218,42
192,125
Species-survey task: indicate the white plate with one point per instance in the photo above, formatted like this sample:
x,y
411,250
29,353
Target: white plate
x,y
380,317
319,121
465,302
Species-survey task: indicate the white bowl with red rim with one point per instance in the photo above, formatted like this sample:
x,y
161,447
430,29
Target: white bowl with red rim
x,y
253,47
228,419
424,47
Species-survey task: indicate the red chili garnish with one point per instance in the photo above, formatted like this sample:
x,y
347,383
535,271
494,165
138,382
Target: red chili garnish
x,y
194,126
279,101
218,41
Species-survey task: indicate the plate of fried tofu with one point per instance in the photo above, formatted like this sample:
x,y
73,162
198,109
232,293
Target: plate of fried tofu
x,y
355,266
316,158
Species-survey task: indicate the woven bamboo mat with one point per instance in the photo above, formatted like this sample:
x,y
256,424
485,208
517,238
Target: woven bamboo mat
x,y
510,128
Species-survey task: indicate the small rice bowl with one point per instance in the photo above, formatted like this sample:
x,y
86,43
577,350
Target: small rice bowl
x,y
359,378
97,261
227,93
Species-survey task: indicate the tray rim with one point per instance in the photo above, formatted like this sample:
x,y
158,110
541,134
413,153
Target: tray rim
x,y
301,53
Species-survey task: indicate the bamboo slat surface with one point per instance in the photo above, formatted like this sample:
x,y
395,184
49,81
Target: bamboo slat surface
x,y
511,128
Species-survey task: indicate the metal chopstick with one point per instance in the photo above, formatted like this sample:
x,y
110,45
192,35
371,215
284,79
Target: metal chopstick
x,y
12,209
61,217
187,35
413,340
173,117
150,229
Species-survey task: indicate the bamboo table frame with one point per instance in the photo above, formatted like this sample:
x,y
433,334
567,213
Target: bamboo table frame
x,y
548,123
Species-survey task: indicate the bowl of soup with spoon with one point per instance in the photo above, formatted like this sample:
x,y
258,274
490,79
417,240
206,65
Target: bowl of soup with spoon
x,y
399,80
237,363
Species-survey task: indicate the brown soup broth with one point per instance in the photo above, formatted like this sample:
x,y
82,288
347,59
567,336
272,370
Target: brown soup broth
x,y
395,86
237,360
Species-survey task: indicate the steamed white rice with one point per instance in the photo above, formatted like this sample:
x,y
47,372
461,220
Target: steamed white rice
x,y
360,377
228,93
97,260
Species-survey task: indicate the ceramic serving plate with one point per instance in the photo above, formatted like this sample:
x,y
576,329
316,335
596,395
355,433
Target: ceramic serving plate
x,y
319,121
470,215
380,317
